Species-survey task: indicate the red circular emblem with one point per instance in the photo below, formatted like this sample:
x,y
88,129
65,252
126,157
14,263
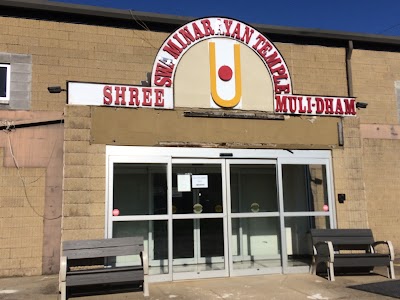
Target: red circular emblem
x,y
225,73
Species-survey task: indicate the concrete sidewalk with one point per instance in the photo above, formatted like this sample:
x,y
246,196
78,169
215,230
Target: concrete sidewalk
x,y
291,286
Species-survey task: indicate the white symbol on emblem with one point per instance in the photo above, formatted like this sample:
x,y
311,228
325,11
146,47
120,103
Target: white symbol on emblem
x,y
219,29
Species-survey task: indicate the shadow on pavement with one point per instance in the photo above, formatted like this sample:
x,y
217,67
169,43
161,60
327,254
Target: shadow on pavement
x,y
386,288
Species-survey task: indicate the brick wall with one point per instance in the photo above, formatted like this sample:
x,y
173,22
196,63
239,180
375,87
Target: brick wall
x,y
76,52
374,75
315,70
348,178
59,52
382,187
21,223
84,178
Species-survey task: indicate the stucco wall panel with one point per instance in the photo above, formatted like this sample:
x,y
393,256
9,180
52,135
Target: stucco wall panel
x,y
151,127
38,153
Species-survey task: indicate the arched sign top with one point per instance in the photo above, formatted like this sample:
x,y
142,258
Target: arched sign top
x,y
231,71
180,41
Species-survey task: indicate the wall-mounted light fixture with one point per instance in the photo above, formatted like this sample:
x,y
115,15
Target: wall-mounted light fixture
x,y
361,104
55,89
341,198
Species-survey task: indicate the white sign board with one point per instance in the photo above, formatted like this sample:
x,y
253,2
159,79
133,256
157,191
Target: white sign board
x,y
199,181
184,183
99,94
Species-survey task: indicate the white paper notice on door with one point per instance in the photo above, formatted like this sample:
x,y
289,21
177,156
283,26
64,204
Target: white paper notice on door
x,y
199,181
184,183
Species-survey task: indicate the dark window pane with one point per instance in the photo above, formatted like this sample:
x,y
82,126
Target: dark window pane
x,y
3,81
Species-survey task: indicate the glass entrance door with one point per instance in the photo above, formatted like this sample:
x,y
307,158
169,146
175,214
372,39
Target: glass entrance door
x,y
306,202
254,228
198,219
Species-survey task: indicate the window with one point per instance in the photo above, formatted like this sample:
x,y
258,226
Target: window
x,y
15,81
4,83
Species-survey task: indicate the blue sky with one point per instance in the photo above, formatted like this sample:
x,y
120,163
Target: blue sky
x,y
359,16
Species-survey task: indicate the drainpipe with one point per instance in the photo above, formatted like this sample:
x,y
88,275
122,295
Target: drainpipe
x,y
349,75
349,52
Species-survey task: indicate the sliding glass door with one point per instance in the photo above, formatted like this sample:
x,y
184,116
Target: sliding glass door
x,y
306,199
199,218
214,217
254,231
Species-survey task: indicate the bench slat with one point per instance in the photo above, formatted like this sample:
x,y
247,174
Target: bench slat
x,y
104,277
114,242
103,252
361,261
105,270
351,239
341,232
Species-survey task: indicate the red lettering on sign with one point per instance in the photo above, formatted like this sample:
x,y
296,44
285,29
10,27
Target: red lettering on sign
x,y
134,96
302,108
207,27
147,92
264,49
273,60
183,44
163,74
292,104
173,49
309,109
260,39
236,32
189,38
282,88
228,24
120,94
107,93
248,32
339,108
320,105
329,106
280,103
350,106
197,32
159,97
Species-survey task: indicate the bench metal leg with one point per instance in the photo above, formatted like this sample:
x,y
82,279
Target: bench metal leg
x,y
63,291
331,272
145,286
313,269
391,271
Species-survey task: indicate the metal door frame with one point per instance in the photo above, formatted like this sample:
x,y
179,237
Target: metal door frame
x,y
229,163
327,162
194,216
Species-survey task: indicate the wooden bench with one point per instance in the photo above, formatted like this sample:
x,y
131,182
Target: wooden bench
x,y
349,249
90,263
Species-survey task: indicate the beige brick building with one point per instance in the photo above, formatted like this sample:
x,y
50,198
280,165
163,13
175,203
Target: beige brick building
x,y
209,187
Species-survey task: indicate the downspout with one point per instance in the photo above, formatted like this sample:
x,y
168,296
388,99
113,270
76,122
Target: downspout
x,y
349,76
349,52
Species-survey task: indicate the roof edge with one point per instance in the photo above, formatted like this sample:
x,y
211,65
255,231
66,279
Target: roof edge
x,y
119,14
